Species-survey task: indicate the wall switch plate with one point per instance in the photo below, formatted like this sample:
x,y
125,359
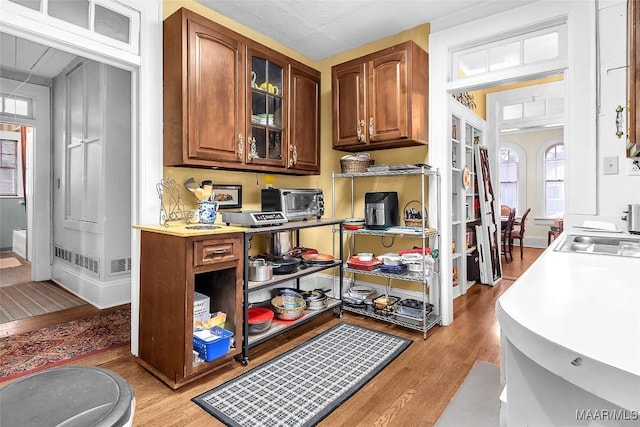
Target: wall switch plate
x,y
610,165
634,166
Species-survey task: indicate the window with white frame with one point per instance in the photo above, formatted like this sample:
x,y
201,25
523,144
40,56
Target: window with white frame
x,y
15,105
108,21
553,188
513,175
520,50
9,167
509,177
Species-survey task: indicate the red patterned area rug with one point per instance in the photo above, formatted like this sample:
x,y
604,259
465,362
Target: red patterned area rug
x,y
45,348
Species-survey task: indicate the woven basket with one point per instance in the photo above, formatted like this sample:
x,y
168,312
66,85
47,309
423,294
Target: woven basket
x,y
415,222
355,164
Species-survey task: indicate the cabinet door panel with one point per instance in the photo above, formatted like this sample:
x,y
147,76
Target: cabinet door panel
x,y
215,95
388,108
304,123
349,113
266,108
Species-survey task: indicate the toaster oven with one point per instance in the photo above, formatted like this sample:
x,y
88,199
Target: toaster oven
x,y
295,203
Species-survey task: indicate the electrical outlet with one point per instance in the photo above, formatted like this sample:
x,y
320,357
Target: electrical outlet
x,y
634,167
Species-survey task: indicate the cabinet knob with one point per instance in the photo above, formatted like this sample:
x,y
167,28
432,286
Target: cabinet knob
x,y
577,361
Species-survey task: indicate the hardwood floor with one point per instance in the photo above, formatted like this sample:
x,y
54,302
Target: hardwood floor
x,y
412,391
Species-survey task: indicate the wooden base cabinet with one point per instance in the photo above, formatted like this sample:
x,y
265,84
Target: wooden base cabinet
x,y
232,103
381,100
172,268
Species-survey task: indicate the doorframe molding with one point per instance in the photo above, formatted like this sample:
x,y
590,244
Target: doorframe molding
x,y
146,107
39,186
580,76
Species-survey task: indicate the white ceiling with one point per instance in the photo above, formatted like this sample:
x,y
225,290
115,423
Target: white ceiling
x,y
26,57
322,28
317,29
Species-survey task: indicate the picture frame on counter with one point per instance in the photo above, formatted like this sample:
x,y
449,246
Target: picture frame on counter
x,y
227,196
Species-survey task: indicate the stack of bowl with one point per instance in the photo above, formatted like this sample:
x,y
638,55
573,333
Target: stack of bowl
x,y
288,307
353,223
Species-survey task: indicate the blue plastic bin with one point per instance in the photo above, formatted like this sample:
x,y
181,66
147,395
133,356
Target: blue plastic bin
x,y
215,347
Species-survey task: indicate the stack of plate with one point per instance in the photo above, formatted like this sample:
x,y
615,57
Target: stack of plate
x,y
353,223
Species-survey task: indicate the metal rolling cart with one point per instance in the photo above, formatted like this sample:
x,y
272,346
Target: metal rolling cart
x,y
430,291
249,341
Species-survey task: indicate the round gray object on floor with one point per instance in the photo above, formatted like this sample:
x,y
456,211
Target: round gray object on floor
x,y
70,396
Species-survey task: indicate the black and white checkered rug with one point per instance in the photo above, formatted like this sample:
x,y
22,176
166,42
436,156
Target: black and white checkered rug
x,y
303,385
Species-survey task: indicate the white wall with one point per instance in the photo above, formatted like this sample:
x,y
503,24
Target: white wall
x,y
614,191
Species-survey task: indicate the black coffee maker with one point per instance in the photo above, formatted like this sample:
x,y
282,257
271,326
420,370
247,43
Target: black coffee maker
x,y
381,210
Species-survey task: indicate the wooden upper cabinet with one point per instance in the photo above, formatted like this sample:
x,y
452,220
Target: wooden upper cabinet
x,y
204,80
381,100
228,102
348,89
304,119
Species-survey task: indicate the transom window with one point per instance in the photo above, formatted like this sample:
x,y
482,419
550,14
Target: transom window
x,y
554,181
108,21
16,106
526,48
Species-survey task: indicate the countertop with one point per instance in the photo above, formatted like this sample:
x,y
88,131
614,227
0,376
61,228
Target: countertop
x,y
582,305
182,229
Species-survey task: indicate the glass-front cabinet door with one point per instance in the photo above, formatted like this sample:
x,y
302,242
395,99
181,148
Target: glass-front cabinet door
x,y
266,137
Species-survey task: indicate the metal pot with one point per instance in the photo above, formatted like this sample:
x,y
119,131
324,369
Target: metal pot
x,y
280,243
261,270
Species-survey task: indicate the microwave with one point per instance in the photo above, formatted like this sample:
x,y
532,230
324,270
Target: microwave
x,y
295,203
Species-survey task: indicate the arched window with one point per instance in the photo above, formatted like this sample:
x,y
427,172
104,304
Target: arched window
x,y
513,175
509,162
553,170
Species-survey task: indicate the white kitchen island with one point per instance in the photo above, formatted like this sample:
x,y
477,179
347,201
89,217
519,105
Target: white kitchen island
x,y
570,340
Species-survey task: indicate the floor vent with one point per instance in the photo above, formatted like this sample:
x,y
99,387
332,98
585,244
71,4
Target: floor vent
x,y
63,254
87,263
120,265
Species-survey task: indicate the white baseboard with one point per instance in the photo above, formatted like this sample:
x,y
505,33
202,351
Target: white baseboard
x,y
98,293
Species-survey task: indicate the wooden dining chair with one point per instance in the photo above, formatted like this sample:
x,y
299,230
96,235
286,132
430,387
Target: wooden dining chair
x,y
505,210
518,234
507,231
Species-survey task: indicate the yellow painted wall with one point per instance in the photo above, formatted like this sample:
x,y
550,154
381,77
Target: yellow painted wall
x,y
330,159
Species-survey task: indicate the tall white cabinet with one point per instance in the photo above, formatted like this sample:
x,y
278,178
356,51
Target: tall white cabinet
x,y
92,202
467,129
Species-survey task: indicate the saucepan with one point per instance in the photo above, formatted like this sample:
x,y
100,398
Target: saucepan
x,y
261,270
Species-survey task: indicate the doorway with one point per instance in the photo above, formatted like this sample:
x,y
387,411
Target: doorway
x,y
579,22
14,260
46,92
